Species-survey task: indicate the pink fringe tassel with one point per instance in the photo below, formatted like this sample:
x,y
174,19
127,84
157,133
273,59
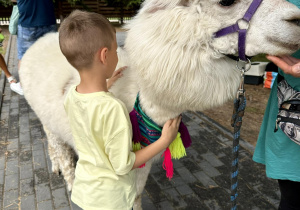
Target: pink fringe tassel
x,y
142,166
168,164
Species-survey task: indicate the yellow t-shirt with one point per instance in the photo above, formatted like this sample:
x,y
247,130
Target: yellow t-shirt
x,y
103,137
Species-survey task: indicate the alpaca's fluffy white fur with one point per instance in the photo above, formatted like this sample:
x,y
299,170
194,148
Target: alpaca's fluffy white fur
x,y
174,62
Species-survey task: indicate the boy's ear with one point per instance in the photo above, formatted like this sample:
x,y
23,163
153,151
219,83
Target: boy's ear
x,y
102,55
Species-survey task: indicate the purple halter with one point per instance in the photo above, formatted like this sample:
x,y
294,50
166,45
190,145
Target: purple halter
x,y
242,31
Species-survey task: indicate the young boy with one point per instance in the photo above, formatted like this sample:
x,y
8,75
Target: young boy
x,y
104,176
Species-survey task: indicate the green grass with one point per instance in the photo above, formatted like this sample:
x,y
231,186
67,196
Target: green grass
x,y
260,58
255,110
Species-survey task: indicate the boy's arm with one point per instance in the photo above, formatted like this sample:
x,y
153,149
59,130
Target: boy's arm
x,y
116,75
169,133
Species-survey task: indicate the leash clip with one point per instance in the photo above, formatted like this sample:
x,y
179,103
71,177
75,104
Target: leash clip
x,y
243,65
241,90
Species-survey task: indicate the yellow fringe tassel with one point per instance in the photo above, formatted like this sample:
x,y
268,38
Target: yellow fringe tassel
x,y
177,148
136,146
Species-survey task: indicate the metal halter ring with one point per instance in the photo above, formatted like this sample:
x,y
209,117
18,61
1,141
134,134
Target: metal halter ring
x,y
246,67
238,22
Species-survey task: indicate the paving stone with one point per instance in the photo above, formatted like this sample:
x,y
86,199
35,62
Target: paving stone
x,y
165,205
204,179
10,199
38,147
13,144
11,182
14,105
56,181
39,162
184,190
64,208
186,175
60,198
27,187
45,205
1,177
39,152
191,165
209,169
36,134
25,137
41,176
13,133
28,203
154,191
194,203
212,204
12,155
32,116
177,164
162,180
147,203
212,159
26,171
177,181
42,192
12,167
1,197
26,157
175,197
193,154
2,163
220,155
25,147
24,124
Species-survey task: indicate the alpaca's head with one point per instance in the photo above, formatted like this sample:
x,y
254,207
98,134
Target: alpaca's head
x,y
182,66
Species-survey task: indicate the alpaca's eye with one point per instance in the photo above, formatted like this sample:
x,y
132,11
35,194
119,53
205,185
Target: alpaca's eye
x,y
226,3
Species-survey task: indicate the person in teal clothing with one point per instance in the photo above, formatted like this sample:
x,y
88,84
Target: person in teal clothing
x,y
279,154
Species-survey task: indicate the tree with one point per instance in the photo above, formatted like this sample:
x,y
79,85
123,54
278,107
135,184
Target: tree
x,y
127,4
5,2
8,2
124,4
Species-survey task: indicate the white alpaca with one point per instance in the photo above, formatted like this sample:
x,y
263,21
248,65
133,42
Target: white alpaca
x,y
174,62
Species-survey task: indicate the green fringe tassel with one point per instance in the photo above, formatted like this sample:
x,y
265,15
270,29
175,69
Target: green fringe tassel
x,y
136,146
177,148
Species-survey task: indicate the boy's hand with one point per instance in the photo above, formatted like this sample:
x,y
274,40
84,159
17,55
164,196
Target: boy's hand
x,y
170,130
288,64
116,75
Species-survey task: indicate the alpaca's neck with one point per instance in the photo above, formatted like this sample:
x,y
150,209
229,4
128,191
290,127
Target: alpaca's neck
x,y
156,112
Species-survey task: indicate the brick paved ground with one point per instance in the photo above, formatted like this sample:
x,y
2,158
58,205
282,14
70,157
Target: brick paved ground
x,y
201,180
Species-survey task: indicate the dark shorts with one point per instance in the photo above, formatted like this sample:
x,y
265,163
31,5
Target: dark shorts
x,y
290,197
27,36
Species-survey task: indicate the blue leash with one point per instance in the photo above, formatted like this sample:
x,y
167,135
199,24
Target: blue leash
x,y
236,123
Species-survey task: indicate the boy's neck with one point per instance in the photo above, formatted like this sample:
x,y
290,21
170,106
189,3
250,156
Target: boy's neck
x,y
91,81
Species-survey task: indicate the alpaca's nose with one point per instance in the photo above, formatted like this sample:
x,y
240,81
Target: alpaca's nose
x,y
294,21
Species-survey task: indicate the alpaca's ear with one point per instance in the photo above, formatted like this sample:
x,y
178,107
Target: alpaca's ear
x,y
156,5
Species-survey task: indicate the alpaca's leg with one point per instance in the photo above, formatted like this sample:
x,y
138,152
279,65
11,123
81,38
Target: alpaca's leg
x,y
51,150
62,157
141,179
67,162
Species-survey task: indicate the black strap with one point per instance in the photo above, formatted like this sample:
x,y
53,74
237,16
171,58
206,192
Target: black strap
x,y
279,78
291,120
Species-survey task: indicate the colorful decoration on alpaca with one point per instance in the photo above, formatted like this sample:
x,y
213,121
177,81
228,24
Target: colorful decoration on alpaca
x,y
146,131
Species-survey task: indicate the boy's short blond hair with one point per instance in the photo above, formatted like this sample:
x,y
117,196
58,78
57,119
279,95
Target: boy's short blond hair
x,y
82,34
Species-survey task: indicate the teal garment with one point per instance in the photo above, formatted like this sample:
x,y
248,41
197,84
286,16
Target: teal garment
x,y
280,155
276,151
